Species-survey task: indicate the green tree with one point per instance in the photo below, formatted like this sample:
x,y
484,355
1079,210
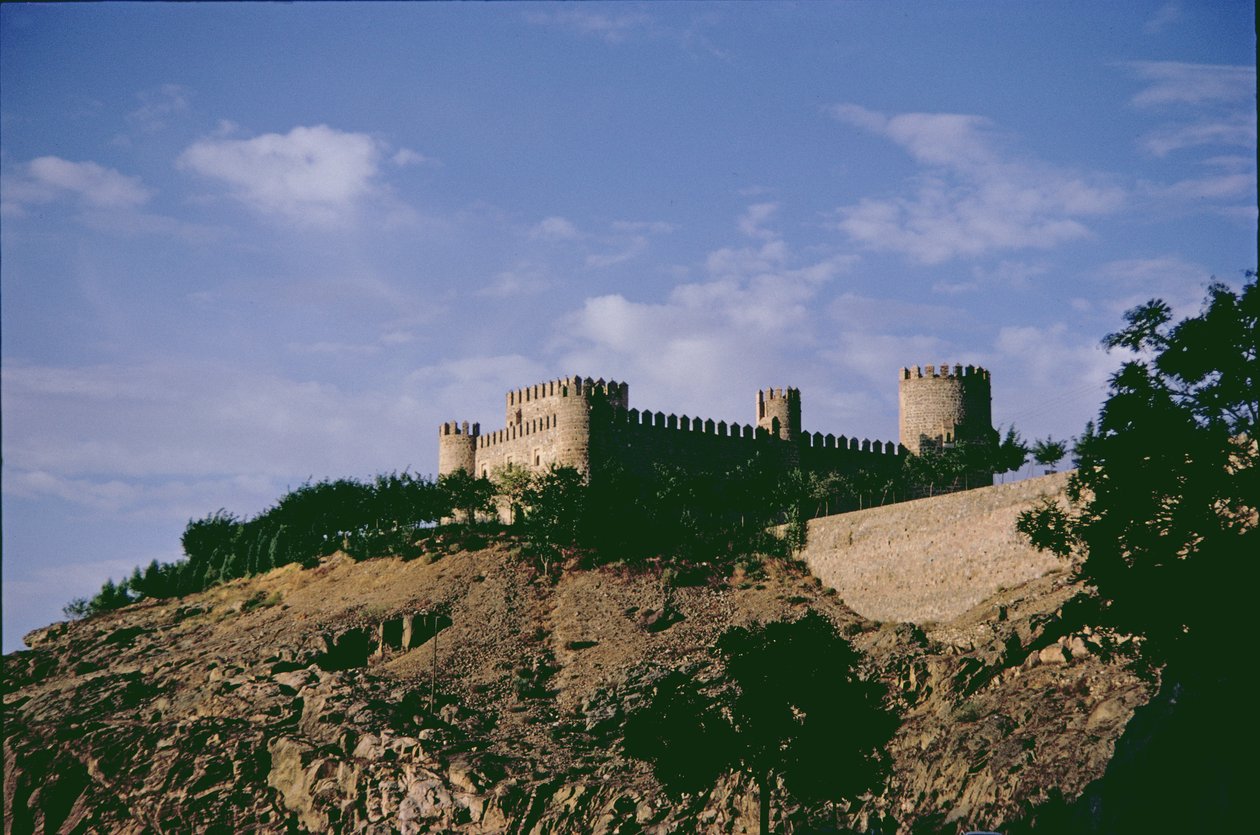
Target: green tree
x,y
1162,515
798,494
1010,454
510,483
791,706
467,494
555,505
1049,452
1165,492
208,541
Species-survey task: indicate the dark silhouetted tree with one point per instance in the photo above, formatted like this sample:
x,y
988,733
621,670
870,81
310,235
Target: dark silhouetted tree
x,y
554,510
1163,510
468,495
791,706
1049,452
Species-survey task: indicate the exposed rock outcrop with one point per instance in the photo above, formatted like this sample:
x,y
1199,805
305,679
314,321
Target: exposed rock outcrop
x,y
468,695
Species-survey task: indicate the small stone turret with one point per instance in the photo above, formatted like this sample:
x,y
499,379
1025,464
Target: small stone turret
x,y
944,405
779,412
457,447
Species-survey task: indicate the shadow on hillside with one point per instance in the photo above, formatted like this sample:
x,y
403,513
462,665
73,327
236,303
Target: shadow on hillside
x,y
1180,766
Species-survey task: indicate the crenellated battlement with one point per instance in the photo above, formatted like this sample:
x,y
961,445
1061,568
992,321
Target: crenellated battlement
x,y
700,426
587,423
940,405
779,412
944,370
575,386
561,395
818,440
514,431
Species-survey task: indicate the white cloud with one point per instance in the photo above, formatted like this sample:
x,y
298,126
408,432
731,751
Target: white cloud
x,y
1217,187
613,27
1048,380
554,229
627,240
406,156
47,179
1175,82
619,22
648,227
523,280
313,174
636,246
710,343
157,106
751,223
1235,130
973,198
1132,281
1164,16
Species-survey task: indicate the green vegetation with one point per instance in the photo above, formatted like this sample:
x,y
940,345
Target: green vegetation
x,y
1164,500
702,523
1163,515
791,705
383,516
1049,452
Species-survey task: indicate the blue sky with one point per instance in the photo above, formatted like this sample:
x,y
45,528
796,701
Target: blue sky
x,y
247,245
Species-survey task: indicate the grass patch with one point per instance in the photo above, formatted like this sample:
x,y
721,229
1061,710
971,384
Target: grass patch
x,y
967,712
261,600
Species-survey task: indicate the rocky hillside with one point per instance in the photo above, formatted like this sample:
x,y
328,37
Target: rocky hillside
x,y
319,700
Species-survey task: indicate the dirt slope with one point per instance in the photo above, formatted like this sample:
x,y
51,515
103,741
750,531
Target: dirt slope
x,y
271,705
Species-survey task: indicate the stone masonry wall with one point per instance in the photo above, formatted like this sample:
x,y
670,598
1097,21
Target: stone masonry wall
x,y
584,423
951,402
931,559
638,440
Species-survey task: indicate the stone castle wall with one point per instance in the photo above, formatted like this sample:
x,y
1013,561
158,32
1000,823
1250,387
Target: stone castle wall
x,y
931,559
585,424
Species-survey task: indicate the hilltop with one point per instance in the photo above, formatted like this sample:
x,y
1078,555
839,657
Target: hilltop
x,y
299,700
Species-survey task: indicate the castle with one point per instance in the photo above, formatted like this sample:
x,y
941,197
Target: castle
x,y
588,424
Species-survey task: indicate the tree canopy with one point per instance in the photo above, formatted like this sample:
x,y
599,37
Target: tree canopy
x,y
1165,495
791,705
1163,516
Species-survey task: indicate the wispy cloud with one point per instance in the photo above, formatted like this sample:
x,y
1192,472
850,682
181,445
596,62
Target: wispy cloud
x,y
619,23
1128,282
317,175
1206,108
973,197
624,241
158,106
90,185
1164,16
554,229
753,307
521,280
1175,82
752,222
611,24
405,156
1230,130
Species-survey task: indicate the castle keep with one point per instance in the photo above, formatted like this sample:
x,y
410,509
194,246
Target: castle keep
x,y
588,424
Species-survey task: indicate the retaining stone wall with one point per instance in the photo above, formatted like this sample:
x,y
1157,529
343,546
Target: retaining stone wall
x,y
931,559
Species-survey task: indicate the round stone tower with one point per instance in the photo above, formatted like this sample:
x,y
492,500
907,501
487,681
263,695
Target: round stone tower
x,y
457,447
944,405
779,412
573,423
